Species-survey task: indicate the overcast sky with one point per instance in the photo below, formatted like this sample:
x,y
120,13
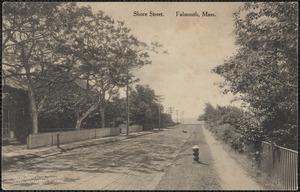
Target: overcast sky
x,y
195,45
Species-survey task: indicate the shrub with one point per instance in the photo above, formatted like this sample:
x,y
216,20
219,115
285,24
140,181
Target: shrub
x,y
225,132
238,142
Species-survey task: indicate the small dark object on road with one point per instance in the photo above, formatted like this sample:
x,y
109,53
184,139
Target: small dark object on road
x,y
184,131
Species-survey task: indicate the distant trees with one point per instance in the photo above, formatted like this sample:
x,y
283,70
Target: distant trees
x,y
144,108
143,105
73,60
264,70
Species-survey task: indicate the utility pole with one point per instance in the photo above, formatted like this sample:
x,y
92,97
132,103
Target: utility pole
x,y
127,103
127,99
160,98
177,115
182,117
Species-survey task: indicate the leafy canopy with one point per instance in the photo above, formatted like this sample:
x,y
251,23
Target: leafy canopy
x,y
264,70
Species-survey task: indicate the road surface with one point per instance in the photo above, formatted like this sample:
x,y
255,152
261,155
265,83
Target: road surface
x,y
160,160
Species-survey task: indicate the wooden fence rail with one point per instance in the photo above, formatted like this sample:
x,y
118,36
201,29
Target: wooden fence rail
x,y
282,164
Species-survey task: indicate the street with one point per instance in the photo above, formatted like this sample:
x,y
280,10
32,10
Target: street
x,y
161,160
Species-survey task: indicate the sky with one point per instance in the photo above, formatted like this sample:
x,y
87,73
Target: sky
x,y
195,45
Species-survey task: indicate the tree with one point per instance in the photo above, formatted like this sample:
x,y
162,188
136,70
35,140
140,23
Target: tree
x,y
143,105
264,69
105,53
115,111
27,31
211,115
61,101
78,47
166,120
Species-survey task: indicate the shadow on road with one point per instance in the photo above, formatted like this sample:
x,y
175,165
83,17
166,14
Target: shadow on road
x,y
199,162
117,157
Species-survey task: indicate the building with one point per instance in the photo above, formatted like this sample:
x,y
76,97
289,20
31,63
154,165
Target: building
x,y
16,121
15,107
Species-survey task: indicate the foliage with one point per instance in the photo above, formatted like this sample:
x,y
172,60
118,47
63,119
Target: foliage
x,y
264,69
166,120
116,111
26,43
143,105
233,126
73,65
105,53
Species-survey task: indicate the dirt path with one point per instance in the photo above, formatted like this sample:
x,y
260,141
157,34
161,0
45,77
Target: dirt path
x,y
232,176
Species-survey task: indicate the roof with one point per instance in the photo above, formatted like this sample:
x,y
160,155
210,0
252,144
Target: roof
x,y
13,81
19,83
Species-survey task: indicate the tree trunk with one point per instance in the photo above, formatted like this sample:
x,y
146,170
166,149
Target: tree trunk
x,y
33,110
34,114
78,124
89,111
102,112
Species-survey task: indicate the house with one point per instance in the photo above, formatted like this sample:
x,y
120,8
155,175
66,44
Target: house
x,y
16,121
15,107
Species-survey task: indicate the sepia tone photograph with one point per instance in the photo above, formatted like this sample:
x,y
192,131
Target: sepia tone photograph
x,y
149,96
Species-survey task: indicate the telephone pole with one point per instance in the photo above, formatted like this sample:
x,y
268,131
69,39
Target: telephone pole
x,y
127,102
160,98
177,115
127,99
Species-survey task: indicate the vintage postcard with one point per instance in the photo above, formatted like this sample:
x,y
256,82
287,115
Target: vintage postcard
x,y
149,95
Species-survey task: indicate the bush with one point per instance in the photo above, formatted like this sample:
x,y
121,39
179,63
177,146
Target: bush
x,y
224,132
238,142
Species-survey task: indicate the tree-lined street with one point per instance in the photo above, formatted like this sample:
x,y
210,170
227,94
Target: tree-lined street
x,y
161,160
99,99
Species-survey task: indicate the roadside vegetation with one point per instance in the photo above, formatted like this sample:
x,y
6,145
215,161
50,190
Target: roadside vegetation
x,y
263,74
232,125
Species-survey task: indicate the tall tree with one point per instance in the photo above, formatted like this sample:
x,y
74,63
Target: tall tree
x,y
105,54
264,70
143,105
26,44
78,47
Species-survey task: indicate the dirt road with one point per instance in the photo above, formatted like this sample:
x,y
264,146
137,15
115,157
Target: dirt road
x,y
160,160
185,174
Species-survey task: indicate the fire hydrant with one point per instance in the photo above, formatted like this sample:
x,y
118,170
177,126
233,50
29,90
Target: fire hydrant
x,y
196,153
